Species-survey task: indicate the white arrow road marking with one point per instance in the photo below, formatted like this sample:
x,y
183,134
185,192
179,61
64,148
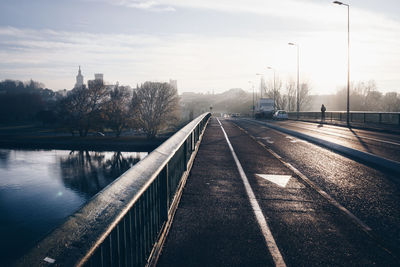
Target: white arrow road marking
x,y
280,180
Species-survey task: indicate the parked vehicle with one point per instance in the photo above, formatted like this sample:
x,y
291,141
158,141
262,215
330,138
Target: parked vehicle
x,y
264,108
280,115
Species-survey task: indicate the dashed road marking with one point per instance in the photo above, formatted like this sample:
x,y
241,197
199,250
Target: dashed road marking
x,y
294,139
261,219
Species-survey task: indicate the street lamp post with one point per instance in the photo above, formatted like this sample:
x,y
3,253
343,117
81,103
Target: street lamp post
x,y
261,89
274,86
253,96
298,79
348,58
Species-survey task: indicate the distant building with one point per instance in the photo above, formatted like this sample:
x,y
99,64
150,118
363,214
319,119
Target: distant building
x,y
98,76
79,79
174,84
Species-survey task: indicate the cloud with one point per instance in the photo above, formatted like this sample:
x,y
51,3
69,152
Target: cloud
x,y
203,61
311,11
150,5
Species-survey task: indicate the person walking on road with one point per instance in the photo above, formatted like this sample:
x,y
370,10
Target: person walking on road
x,y
323,109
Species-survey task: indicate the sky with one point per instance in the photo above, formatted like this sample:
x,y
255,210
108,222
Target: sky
x,y
206,45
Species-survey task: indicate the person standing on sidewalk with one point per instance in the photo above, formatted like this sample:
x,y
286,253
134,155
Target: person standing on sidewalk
x,y
323,109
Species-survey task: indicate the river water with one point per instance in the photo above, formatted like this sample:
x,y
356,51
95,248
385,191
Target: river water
x,y
39,189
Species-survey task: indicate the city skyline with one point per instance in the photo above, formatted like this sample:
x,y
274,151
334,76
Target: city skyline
x,y
207,46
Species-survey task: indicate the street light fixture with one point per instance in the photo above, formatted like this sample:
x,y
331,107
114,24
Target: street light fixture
x,y
274,85
298,79
348,58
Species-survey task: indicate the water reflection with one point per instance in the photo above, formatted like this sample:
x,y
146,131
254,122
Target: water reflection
x,y
4,157
88,172
39,189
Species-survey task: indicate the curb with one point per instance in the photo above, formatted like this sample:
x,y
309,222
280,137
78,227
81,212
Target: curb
x,y
369,127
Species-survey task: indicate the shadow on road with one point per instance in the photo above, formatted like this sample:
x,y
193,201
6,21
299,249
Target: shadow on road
x,y
359,139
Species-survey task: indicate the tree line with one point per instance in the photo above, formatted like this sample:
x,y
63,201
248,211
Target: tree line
x,y
149,107
24,101
364,96
285,96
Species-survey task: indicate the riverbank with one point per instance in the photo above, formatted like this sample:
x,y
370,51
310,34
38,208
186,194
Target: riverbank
x,y
34,136
95,143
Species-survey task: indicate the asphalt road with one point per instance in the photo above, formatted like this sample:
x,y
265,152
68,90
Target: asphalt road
x,y
320,208
372,195
382,144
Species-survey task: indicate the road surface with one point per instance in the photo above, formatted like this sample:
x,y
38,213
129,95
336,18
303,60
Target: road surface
x,y
257,197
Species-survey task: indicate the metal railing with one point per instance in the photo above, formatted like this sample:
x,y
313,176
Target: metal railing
x,y
383,118
125,224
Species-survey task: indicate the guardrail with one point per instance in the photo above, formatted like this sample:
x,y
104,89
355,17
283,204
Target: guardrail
x,y
126,223
388,118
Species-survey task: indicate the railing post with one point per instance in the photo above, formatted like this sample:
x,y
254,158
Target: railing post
x,y
185,154
193,141
164,199
380,118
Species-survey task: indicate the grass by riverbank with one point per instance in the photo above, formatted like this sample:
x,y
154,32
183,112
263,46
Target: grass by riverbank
x,y
133,144
36,137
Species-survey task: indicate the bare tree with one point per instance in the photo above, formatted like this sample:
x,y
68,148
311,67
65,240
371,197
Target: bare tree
x,y
364,96
157,105
83,108
304,96
391,102
280,100
119,111
291,95
274,89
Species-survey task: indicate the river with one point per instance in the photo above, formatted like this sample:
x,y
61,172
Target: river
x,y
39,189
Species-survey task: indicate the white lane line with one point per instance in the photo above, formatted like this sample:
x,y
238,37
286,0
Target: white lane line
x,y
262,222
331,200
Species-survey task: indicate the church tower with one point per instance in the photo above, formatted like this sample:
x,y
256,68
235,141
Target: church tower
x,y
79,79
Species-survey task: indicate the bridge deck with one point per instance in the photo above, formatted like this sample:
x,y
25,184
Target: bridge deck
x,y
216,225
